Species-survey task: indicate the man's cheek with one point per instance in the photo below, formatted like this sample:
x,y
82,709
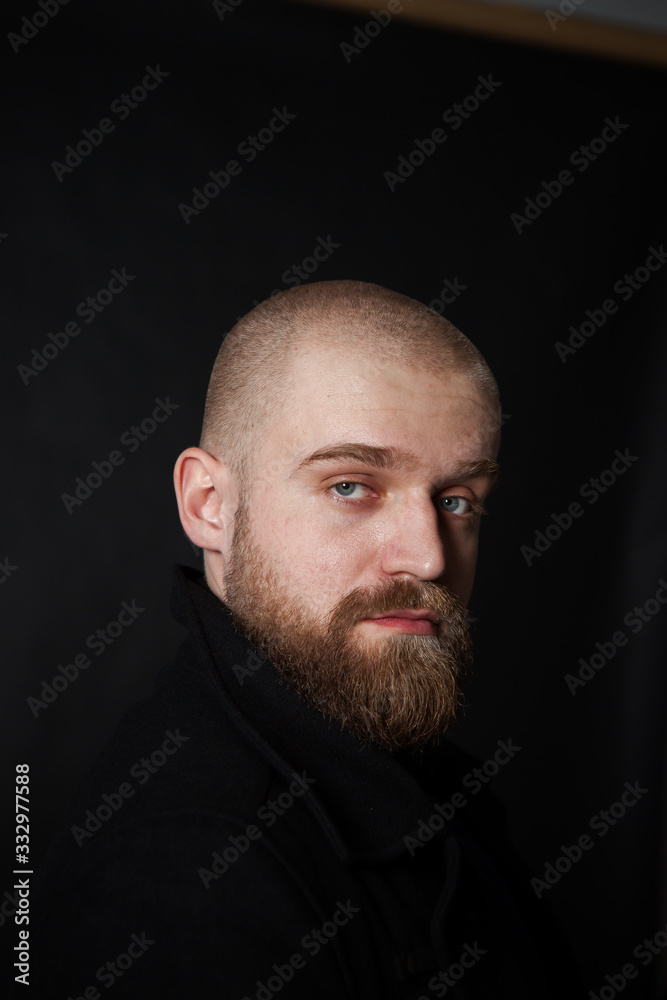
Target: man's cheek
x,y
308,570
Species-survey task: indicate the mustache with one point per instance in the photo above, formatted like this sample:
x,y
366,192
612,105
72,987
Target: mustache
x,y
362,603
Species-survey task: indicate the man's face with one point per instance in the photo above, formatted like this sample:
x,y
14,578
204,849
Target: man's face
x,y
334,554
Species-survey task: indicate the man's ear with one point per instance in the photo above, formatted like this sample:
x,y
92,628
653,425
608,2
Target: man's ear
x,y
207,495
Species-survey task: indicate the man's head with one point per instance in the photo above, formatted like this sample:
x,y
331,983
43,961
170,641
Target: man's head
x,y
349,440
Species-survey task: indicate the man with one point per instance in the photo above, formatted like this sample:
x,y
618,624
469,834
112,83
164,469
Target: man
x,y
282,814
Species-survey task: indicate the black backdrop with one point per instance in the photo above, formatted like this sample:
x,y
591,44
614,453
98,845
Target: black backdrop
x,y
69,566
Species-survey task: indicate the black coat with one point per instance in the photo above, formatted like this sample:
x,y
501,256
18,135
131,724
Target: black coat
x,y
232,843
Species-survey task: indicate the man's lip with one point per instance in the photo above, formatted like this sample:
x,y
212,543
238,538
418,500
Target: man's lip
x,y
408,613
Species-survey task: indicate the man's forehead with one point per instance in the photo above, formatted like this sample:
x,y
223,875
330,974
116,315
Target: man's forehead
x,y
378,413
316,361
324,382
321,372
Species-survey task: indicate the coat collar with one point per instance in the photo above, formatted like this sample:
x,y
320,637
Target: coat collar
x,y
364,799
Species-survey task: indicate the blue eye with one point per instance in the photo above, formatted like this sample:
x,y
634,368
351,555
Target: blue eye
x,y
460,506
346,488
456,505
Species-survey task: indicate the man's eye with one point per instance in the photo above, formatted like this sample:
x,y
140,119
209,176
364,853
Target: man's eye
x,y
457,505
460,506
347,489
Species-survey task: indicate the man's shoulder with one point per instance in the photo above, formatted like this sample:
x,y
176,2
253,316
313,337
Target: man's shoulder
x,y
163,837
179,747
176,760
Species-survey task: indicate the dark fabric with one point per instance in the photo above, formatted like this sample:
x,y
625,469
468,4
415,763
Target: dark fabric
x,y
231,842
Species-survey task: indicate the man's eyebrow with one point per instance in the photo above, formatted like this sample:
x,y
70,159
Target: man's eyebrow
x,y
380,457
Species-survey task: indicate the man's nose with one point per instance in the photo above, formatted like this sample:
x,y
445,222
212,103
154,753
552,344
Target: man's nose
x,y
413,541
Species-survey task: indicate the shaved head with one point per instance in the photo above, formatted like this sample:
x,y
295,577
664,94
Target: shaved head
x,y
253,380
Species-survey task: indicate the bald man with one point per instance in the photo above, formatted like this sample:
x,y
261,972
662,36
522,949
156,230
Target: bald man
x,y
310,833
